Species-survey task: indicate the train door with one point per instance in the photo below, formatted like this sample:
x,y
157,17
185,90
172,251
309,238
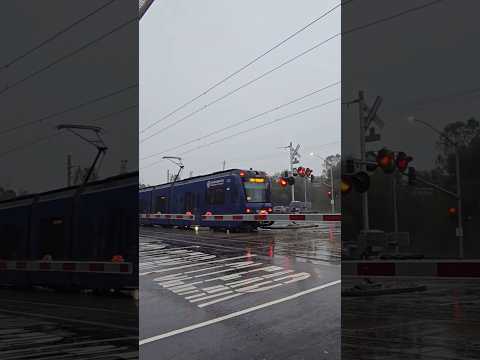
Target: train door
x,y
161,204
52,238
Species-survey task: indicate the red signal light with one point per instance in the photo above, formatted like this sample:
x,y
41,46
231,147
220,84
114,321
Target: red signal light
x,y
386,160
452,211
301,171
282,182
248,211
402,161
269,209
242,173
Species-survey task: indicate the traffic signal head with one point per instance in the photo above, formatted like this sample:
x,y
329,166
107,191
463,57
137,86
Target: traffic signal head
x,y
301,171
291,180
402,161
329,194
282,182
452,211
308,172
285,174
386,160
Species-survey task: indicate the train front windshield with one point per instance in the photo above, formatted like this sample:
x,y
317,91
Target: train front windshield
x,y
256,192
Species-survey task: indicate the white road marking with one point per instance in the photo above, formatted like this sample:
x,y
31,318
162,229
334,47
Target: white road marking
x,y
237,313
197,264
219,300
211,296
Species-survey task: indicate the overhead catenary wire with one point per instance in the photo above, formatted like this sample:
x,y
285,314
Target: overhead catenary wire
x,y
67,56
56,35
251,62
344,33
69,109
238,123
251,129
239,88
50,136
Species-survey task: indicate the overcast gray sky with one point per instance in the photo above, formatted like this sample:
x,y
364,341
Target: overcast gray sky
x,y
427,54
186,46
109,65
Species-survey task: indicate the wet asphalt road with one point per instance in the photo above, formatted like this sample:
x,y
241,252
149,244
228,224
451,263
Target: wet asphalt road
x,y
40,325
273,294
441,323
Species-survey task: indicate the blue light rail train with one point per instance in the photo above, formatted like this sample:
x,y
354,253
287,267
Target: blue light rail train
x,y
232,191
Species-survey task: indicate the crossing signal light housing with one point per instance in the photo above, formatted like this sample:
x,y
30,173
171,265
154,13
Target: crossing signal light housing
x,y
402,161
291,180
359,181
301,171
329,194
308,172
282,182
452,211
386,160
346,184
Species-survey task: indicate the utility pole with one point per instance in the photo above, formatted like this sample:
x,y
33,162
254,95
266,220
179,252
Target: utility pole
x,y
290,149
168,175
332,201
395,207
223,165
305,179
363,129
459,201
69,170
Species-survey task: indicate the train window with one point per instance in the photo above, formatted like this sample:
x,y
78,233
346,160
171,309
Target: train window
x,y
216,196
161,204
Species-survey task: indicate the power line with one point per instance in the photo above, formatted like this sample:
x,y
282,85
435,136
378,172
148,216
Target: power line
x,y
391,17
72,108
352,30
252,129
56,35
246,65
44,138
240,87
244,121
66,56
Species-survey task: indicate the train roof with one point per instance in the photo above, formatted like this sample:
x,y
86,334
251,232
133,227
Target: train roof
x,y
113,181
199,177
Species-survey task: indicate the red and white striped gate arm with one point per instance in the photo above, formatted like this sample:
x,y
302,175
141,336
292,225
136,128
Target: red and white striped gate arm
x,y
273,217
67,266
168,216
412,268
